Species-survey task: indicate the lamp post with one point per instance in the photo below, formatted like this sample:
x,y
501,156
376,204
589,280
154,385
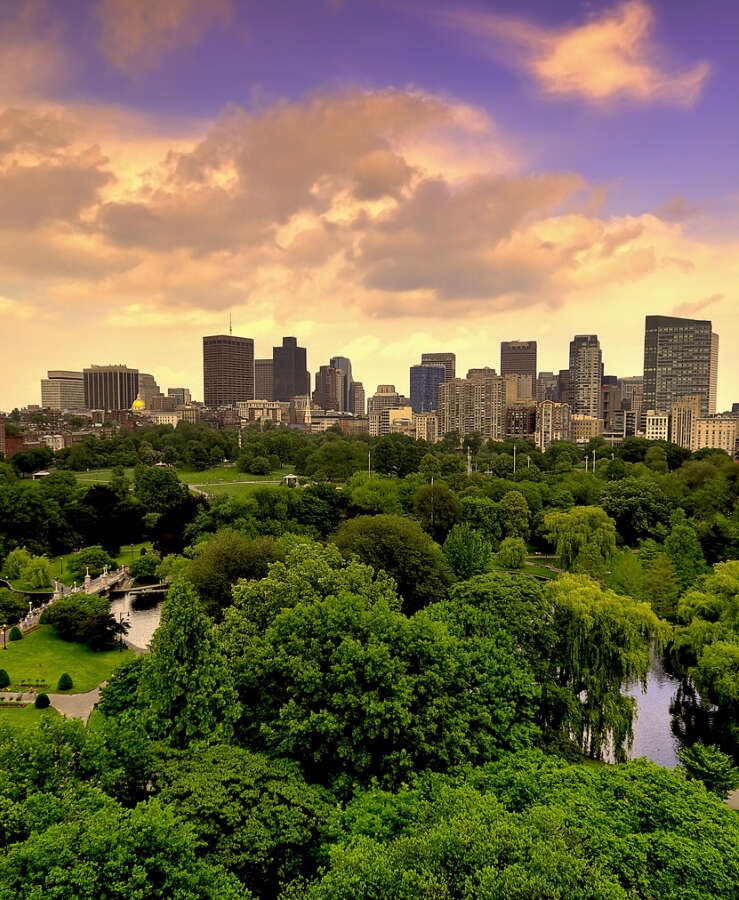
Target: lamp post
x,y
121,617
5,631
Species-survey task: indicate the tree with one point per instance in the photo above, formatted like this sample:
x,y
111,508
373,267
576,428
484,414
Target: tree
x,y
37,573
4,678
637,505
91,559
685,553
516,515
708,764
13,606
219,562
187,688
144,568
356,691
484,515
113,853
603,641
512,553
257,816
158,488
437,509
585,538
401,548
467,550
15,562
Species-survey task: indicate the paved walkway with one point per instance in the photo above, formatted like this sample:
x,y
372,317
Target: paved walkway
x,y
74,706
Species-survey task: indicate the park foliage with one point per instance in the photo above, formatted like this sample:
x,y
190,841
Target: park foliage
x,y
358,689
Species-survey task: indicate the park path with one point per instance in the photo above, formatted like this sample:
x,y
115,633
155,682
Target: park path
x,y
76,706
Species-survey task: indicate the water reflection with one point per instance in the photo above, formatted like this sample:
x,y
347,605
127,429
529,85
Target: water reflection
x,y
143,617
653,728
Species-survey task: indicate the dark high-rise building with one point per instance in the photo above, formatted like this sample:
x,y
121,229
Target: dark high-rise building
x,y
345,364
680,358
518,358
290,371
586,375
263,379
228,370
425,381
110,387
329,392
356,398
448,360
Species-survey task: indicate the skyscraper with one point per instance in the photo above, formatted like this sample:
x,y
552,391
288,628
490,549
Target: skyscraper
x,y
228,370
586,375
518,358
680,358
425,381
448,360
263,380
345,364
329,391
290,371
63,390
110,387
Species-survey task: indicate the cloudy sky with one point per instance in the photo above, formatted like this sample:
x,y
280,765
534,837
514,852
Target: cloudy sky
x,y
378,178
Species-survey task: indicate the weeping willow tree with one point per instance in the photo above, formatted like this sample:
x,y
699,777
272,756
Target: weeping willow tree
x,y
603,641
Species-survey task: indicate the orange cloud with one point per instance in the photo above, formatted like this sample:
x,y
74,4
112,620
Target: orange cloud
x,y
136,34
610,57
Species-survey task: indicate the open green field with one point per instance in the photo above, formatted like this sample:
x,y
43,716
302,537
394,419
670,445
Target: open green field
x,y
41,657
24,719
99,476
228,481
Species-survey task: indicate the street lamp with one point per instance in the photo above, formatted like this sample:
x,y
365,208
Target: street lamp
x,y
121,617
5,631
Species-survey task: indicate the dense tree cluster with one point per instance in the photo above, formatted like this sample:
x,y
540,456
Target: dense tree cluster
x,y
359,688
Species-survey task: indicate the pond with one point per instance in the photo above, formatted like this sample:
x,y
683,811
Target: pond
x,y
142,615
653,729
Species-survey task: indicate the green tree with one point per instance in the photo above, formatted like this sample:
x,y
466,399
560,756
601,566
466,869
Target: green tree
x,y
585,538
603,641
15,562
187,687
685,553
637,505
516,514
401,548
158,488
438,510
467,550
90,559
484,515
219,562
512,553
257,816
13,606
37,573
377,494
708,764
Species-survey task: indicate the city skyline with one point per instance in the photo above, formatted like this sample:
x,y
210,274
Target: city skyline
x,y
379,179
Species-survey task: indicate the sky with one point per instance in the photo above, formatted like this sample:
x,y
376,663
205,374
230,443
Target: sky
x,y
378,178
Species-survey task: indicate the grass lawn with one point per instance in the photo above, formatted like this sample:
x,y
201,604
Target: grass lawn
x,y
98,476
24,719
41,657
228,481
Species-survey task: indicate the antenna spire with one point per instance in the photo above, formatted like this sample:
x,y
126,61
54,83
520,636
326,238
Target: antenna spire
x,y
230,329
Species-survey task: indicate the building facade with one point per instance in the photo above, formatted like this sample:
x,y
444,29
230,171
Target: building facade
x,y
110,387
263,380
424,382
680,358
228,370
63,390
586,375
518,358
290,377
552,423
448,360
329,390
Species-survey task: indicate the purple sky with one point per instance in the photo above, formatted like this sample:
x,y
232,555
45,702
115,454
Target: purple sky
x,y
378,179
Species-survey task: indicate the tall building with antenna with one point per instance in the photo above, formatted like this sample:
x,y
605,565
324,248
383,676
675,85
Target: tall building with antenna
x,y
228,369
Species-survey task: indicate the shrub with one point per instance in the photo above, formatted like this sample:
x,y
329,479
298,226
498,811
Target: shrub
x,y
42,701
15,634
65,682
4,678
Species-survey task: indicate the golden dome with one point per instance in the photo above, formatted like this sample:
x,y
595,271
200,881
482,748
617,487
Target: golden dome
x,y
138,403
